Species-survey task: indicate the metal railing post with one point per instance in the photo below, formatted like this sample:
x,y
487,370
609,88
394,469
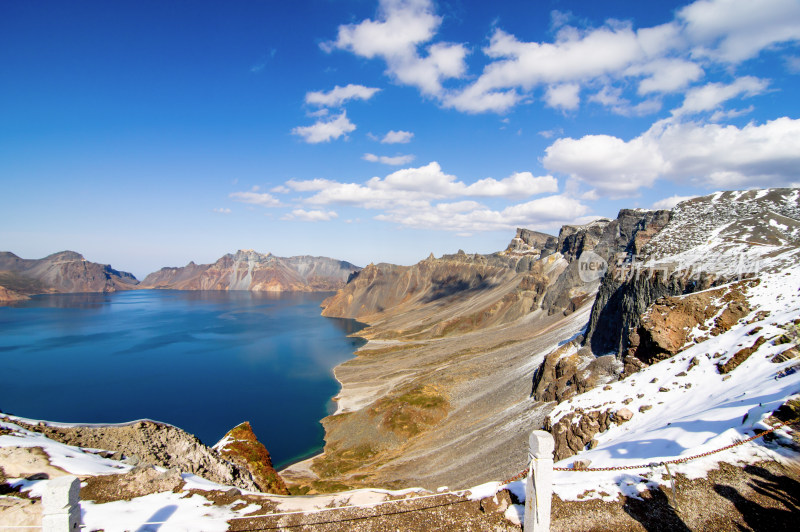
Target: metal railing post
x,y
61,509
539,488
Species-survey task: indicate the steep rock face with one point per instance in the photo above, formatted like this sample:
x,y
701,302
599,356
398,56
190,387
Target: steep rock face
x,y
527,242
621,302
670,323
705,242
607,239
66,272
241,447
249,270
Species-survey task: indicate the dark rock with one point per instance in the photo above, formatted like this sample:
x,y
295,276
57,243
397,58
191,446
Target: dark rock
x,y
740,356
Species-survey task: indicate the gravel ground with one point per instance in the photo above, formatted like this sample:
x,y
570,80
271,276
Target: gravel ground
x,y
447,513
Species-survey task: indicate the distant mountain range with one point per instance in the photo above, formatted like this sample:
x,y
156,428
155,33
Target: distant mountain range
x,y
250,270
65,272
70,272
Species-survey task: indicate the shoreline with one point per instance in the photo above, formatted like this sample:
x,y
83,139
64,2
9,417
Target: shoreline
x,y
303,465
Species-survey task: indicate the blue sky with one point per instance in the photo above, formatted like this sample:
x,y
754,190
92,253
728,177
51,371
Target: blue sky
x,y
148,134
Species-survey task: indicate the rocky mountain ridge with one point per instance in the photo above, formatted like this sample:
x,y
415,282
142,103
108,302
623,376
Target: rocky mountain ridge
x,y
63,272
70,272
250,270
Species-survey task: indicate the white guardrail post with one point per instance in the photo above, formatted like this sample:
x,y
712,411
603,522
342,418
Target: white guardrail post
x,y
61,509
539,488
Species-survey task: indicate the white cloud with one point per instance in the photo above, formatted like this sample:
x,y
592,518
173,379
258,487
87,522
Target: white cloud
x,y
709,155
310,216
712,95
397,137
520,184
222,210
550,133
325,131
476,99
574,57
670,202
735,30
400,28
280,189
393,161
309,185
721,115
564,96
661,59
255,198
611,97
417,186
613,166
426,197
666,75
461,217
339,95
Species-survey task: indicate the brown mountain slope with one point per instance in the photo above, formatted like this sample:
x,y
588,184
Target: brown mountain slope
x,y
441,393
65,272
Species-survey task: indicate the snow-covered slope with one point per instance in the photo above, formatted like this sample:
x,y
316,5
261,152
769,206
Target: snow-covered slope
x,y
711,393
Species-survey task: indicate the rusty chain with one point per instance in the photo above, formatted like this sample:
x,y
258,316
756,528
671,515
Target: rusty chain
x,y
524,473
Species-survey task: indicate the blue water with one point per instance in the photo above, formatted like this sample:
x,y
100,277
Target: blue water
x,y
203,361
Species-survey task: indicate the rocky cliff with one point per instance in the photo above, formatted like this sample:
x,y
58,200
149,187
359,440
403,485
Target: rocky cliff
x,y
64,272
249,270
702,243
702,276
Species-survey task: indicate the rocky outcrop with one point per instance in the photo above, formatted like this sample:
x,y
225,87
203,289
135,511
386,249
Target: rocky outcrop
x,y
65,272
148,442
10,296
672,322
386,289
527,242
250,270
575,431
570,370
241,447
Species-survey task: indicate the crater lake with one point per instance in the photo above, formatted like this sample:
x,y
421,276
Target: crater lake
x,y
203,361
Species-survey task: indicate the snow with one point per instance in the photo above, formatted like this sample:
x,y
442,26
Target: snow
x,y
73,460
701,411
515,513
782,227
176,510
484,490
